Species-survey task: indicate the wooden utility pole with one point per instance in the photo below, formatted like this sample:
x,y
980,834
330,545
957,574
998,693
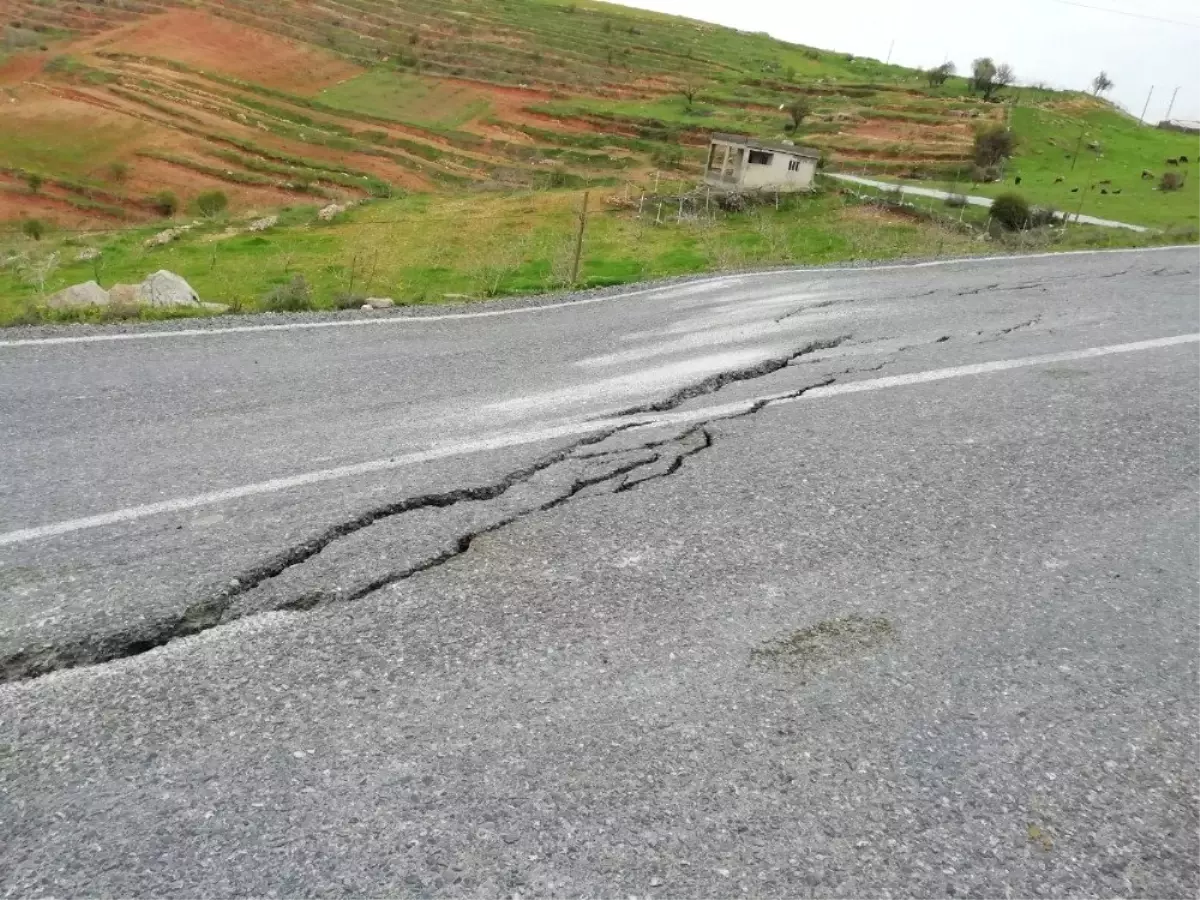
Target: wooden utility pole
x,y
1171,105
579,240
1147,106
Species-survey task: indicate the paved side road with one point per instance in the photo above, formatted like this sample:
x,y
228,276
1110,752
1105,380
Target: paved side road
x,y
809,584
914,191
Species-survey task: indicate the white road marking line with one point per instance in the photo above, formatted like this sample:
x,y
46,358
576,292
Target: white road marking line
x,y
568,430
548,307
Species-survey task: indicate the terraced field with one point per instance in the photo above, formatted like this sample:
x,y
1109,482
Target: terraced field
x,y
281,102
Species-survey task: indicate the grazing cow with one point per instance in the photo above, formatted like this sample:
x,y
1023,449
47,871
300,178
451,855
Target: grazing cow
x,y
1058,180
1172,162
1147,175
1183,159
1116,190
1104,190
1074,190
1017,180
1105,181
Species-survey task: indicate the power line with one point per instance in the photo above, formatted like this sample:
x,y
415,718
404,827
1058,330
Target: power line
x,y
1123,12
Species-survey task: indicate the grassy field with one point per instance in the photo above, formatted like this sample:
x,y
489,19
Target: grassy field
x,y
482,122
1106,181
420,249
429,248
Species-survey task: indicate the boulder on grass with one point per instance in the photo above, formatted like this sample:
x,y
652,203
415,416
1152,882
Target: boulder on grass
x,y
379,302
165,288
123,295
87,294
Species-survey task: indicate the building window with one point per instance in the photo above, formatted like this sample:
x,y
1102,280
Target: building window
x,y
794,165
760,158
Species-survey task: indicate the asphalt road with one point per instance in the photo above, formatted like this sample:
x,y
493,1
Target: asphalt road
x,y
833,582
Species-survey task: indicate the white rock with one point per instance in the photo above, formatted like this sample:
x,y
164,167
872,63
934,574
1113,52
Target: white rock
x,y
165,288
380,302
87,294
164,237
367,307
87,254
328,213
263,224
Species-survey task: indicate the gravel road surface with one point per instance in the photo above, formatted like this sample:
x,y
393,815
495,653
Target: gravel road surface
x,y
850,582
935,194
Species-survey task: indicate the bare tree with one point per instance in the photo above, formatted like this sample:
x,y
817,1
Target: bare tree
x,y
689,89
1101,83
1004,76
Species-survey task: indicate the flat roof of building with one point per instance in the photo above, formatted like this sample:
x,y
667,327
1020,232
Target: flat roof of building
x,y
775,146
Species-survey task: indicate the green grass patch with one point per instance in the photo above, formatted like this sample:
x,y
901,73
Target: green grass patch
x,y
403,97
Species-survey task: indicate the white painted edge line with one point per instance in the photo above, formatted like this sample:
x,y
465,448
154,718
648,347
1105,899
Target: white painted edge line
x,y
566,304
569,429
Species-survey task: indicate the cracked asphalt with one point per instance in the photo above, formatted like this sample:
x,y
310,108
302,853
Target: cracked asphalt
x,y
816,583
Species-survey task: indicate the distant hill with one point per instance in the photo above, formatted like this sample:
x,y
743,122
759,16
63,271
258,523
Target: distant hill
x,y
271,102
107,103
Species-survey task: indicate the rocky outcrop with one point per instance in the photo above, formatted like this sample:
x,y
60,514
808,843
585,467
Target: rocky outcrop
x,y
165,288
87,294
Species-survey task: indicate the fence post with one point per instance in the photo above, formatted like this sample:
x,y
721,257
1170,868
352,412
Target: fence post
x,y
641,203
658,215
679,215
579,240
656,173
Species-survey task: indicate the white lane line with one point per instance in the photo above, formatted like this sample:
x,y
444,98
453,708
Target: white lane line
x,y
548,307
567,430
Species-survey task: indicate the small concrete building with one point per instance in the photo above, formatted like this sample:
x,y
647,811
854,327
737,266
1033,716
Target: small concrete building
x,y
746,164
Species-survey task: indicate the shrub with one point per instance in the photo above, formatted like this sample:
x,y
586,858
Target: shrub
x,y
33,228
1011,210
992,145
294,296
211,203
165,203
118,171
1171,181
798,110
984,174
349,301
1040,216
35,181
